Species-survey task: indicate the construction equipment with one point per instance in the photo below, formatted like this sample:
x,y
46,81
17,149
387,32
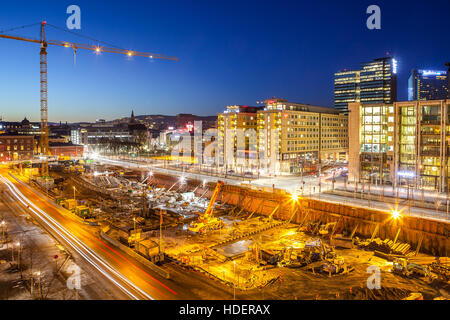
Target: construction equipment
x,y
70,204
60,200
44,43
324,228
206,221
83,212
335,264
405,268
441,269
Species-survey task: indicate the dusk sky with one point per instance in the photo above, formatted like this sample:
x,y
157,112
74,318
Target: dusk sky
x,y
231,52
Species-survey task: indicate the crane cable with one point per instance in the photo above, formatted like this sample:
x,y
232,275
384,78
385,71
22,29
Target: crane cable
x,y
21,27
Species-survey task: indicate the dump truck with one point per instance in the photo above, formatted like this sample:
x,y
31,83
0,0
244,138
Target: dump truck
x,y
269,257
207,222
83,212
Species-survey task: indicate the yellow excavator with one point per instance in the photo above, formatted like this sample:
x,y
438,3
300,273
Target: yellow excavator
x,y
206,221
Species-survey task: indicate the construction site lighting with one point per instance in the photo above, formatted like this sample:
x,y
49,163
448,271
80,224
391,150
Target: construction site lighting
x,y
94,155
3,223
294,197
395,214
150,173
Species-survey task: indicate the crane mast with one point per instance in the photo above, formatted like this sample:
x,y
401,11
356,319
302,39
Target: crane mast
x,y
44,146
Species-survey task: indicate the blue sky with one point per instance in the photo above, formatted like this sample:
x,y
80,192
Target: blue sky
x,y
231,52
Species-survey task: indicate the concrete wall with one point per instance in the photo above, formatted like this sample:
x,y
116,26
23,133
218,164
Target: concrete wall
x,y
435,234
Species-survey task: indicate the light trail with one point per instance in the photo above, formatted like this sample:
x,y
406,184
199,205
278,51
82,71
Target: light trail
x,y
88,254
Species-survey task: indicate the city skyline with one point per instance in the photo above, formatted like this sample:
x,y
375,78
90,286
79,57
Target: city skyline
x,y
228,51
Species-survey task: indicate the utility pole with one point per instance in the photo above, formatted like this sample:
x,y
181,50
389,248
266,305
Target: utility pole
x,y
39,285
3,231
160,230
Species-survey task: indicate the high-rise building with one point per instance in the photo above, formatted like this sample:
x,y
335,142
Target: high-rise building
x,y
405,143
346,88
427,85
378,83
375,82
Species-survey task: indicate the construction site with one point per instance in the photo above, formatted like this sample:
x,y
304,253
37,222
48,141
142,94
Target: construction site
x,y
259,242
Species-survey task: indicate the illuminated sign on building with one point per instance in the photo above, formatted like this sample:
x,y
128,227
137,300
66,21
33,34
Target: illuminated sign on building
x,y
432,73
394,66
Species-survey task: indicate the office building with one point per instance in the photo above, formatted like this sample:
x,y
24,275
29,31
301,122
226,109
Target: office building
x,y
374,82
346,88
427,85
404,143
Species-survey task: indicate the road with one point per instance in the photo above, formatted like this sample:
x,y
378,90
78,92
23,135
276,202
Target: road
x,y
125,277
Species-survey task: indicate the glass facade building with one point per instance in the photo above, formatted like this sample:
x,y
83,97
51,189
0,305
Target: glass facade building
x,y
404,143
428,85
375,82
346,88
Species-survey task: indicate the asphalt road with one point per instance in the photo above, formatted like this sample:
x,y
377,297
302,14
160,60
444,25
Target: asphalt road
x,y
124,276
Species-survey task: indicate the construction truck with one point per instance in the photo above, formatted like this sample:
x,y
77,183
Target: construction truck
x,y
70,204
206,221
83,212
60,200
335,264
402,267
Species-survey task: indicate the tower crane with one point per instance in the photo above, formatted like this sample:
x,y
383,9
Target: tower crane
x,y
44,43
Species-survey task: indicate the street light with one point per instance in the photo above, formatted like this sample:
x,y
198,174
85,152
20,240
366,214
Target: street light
x,y
18,253
39,283
234,291
3,231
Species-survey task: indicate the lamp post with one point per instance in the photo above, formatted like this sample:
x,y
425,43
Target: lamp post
x,y
3,231
234,287
39,283
18,253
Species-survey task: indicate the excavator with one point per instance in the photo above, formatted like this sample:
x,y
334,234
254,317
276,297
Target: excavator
x,y
206,221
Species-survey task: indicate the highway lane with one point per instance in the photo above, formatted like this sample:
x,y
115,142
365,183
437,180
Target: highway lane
x,y
126,274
